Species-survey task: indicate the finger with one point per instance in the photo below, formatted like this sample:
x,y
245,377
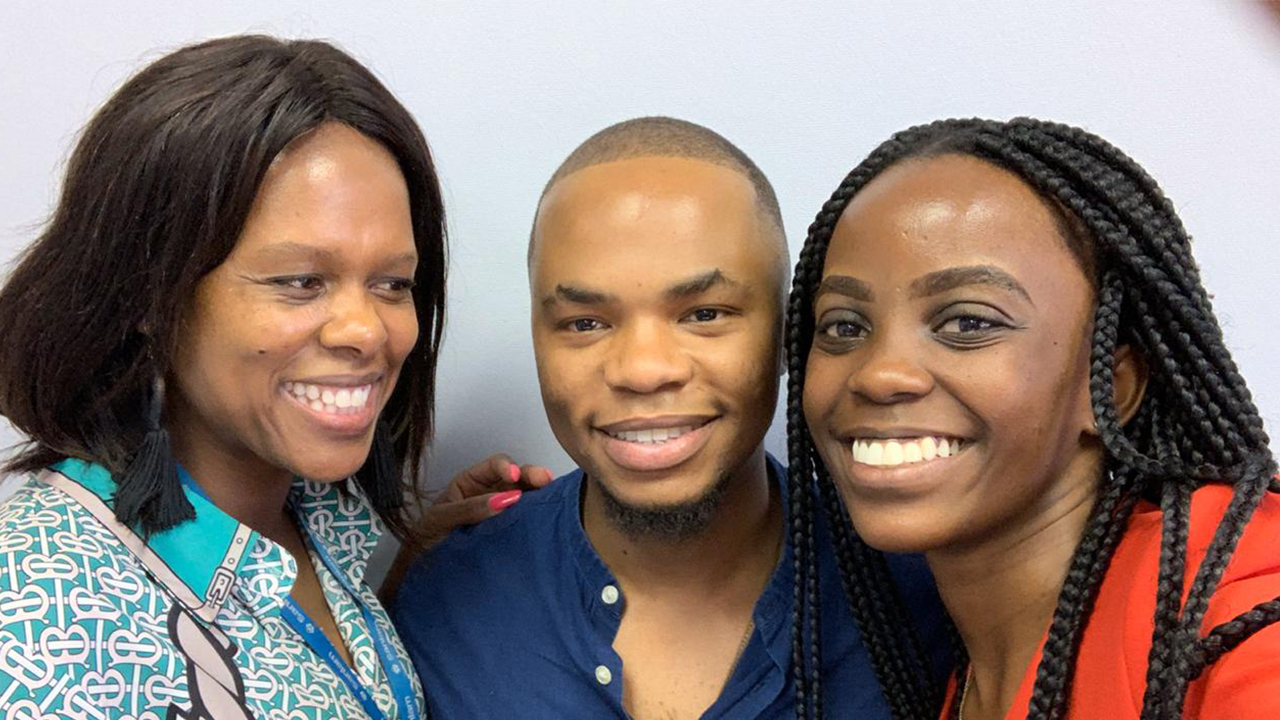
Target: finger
x,y
533,477
440,519
489,475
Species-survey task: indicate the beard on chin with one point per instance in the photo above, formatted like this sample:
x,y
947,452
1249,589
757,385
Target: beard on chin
x,y
671,523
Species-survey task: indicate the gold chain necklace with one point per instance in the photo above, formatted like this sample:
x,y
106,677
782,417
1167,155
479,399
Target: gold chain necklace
x,y
742,647
964,691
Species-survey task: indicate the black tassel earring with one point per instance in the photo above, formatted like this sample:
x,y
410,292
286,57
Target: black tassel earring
x,y
149,493
379,477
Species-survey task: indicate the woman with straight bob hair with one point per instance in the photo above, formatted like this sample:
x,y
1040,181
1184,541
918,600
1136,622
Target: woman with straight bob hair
x,y
242,286
1001,355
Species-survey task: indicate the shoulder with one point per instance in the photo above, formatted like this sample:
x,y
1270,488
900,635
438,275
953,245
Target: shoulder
x,y
536,515
45,534
1244,683
72,593
497,555
494,596
1251,575
1126,601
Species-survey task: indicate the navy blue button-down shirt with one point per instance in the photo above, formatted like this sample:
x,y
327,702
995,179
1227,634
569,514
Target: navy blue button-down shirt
x,y
516,617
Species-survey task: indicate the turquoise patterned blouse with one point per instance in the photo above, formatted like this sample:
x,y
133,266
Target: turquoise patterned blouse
x,y
95,623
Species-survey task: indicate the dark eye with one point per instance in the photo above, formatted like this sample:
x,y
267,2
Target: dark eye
x,y
307,283
968,325
585,325
395,289
842,329
704,315
398,285
971,329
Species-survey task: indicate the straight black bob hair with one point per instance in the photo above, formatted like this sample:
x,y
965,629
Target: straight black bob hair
x,y
156,194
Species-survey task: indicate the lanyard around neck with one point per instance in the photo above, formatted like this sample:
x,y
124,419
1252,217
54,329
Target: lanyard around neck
x,y
396,672
297,618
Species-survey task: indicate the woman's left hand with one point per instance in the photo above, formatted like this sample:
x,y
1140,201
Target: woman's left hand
x,y
477,493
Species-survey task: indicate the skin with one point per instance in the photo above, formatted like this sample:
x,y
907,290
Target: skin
x,y
316,289
998,358
616,343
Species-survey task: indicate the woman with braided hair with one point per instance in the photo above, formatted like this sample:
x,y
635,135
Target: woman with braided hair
x,y
1001,355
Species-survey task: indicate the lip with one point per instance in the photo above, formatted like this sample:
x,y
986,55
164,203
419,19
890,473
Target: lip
x,y
654,457
346,380
656,421
908,479
895,432
347,425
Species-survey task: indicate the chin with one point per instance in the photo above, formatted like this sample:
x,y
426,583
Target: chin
x,y
653,498
328,470
897,528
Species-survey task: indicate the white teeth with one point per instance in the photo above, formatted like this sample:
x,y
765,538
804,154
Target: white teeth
x,y
339,400
652,435
875,453
900,451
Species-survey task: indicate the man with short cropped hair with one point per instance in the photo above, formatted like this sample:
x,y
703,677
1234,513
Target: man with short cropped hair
x,y
656,581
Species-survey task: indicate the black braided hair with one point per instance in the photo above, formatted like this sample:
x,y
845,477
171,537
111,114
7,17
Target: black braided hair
x,y
1196,425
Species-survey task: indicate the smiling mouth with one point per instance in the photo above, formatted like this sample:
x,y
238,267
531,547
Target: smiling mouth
x,y
652,436
648,445
331,399
894,452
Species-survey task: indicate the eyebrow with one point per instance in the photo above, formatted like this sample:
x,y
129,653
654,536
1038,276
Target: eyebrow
x,y
944,280
577,296
847,286
684,289
697,285
288,249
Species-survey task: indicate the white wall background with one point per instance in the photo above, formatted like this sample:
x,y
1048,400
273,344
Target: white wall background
x,y
505,90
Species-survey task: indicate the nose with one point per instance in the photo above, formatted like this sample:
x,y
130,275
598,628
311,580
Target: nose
x,y
645,358
889,371
354,324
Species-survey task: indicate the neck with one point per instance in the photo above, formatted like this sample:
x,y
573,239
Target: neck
x,y
250,491
1001,593
741,540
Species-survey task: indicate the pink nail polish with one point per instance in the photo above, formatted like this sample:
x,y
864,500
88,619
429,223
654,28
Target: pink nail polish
x,y
513,472
503,500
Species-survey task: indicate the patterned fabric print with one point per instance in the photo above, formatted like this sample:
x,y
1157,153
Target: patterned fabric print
x,y
88,629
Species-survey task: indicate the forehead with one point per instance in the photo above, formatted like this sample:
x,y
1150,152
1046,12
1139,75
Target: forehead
x,y
645,222
924,214
334,187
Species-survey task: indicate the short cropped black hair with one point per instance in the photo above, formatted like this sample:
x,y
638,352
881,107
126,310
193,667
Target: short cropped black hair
x,y
658,136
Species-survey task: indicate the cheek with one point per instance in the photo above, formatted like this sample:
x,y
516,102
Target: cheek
x,y
744,364
402,332
1033,408
559,383
823,383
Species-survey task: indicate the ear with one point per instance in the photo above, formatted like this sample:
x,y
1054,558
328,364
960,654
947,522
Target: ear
x,y
1128,382
1130,377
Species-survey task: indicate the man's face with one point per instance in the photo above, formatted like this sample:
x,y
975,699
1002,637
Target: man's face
x,y
656,323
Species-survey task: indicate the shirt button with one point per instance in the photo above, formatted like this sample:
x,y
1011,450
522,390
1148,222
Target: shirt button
x,y
609,594
603,676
